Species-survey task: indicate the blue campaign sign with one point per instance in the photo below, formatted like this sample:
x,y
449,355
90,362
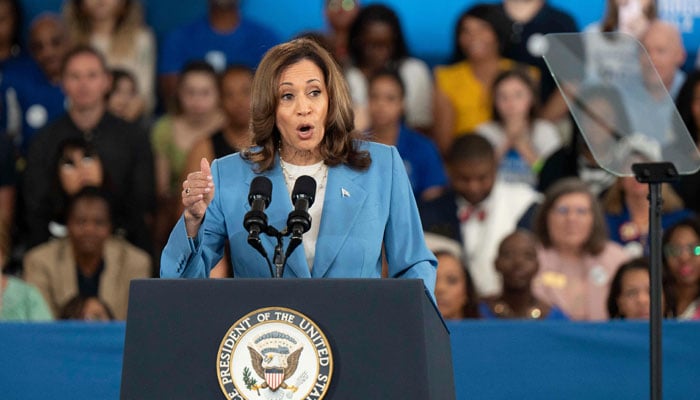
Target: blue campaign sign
x,y
685,14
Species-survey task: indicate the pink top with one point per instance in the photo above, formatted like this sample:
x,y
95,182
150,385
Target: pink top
x,y
578,288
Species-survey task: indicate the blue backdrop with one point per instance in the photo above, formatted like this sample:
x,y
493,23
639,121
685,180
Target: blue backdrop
x,y
427,25
492,360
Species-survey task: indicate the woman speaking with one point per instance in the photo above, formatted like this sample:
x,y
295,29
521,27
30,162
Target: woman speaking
x,y
302,124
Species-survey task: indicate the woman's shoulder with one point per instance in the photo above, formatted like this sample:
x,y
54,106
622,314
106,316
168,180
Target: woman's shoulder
x,y
374,148
119,245
51,247
541,124
613,255
18,285
164,122
412,65
491,130
234,164
452,69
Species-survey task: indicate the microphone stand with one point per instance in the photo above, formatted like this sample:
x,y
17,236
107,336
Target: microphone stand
x,y
280,256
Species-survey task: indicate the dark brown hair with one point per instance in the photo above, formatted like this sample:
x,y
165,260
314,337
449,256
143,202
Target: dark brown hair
x,y
523,76
471,307
641,264
340,143
611,20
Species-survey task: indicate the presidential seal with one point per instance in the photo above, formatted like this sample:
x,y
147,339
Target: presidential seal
x,y
274,353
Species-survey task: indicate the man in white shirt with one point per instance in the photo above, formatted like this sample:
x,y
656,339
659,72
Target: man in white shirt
x,y
479,210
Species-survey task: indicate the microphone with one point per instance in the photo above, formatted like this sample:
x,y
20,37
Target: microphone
x,y
299,220
259,196
303,194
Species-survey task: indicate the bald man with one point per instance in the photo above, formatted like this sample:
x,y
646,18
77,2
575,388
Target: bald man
x,y
665,47
649,107
31,91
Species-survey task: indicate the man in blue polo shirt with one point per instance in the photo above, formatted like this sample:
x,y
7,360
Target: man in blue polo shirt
x,y
221,38
31,91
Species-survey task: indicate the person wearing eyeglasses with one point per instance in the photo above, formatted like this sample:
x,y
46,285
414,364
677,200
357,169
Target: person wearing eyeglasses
x,y
681,261
577,258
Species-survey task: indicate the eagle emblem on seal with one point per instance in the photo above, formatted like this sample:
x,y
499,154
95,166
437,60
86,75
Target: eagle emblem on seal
x,y
274,357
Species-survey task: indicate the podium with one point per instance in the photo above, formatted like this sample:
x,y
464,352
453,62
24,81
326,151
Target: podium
x,y
386,338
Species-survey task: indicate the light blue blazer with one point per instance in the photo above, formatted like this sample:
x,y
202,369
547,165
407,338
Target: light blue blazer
x,y
362,210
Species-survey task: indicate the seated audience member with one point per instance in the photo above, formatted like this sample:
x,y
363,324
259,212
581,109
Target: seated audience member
x,y
118,31
629,291
123,99
454,288
478,209
8,185
86,309
681,246
517,263
197,116
648,104
608,45
77,165
376,42
629,17
664,44
10,32
602,120
31,91
122,147
528,21
521,140
419,154
688,104
222,37
577,260
19,301
340,14
626,207
476,61
235,86
575,160
89,261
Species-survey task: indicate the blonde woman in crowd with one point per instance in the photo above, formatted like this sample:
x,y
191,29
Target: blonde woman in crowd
x,y
116,28
197,116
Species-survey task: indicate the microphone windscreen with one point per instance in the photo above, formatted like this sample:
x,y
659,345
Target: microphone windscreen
x,y
304,186
260,187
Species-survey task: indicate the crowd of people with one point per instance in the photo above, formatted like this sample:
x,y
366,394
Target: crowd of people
x,y
109,141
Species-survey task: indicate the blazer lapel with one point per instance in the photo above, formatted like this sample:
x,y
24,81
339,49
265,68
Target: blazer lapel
x,y
67,269
343,203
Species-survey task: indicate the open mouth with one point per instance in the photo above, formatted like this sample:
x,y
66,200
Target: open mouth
x,y
304,128
305,131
